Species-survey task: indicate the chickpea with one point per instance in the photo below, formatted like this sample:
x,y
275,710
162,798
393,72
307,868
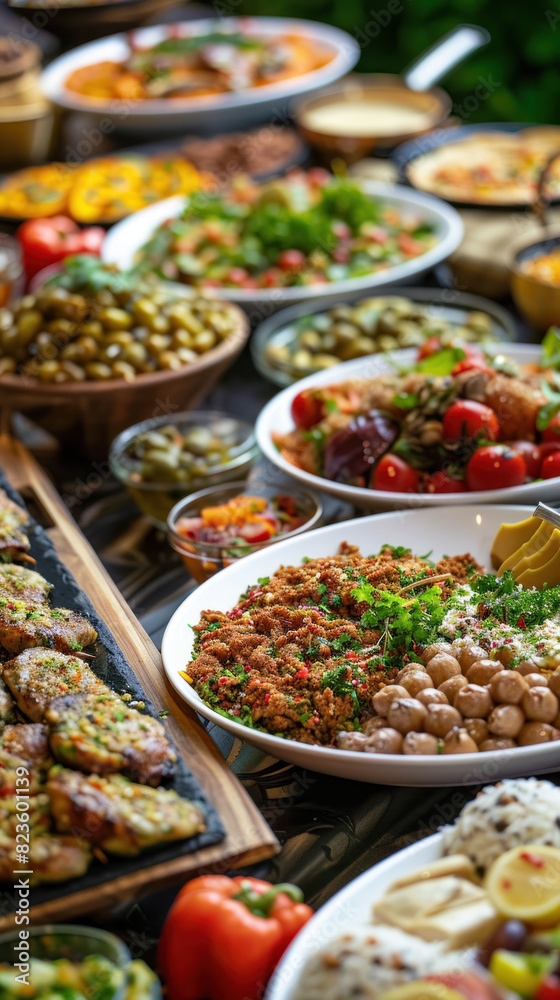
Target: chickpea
x,y
440,719
415,681
409,668
431,696
436,647
554,682
508,686
482,671
537,732
406,714
505,655
452,686
459,741
351,741
419,743
477,730
473,701
386,695
467,655
376,722
526,667
537,680
441,667
386,740
506,720
497,743
540,704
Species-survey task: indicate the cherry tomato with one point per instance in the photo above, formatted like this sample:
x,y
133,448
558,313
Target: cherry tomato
x,y
394,475
307,409
237,275
271,278
495,467
552,432
466,419
430,346
532,454
551,465
318,176
250,282
46,241
341,230
549,989
440,482
341,254
291,260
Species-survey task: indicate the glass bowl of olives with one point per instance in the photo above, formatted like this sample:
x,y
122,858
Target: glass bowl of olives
x,y
162,460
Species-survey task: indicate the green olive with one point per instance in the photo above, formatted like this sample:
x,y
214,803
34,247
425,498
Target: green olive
x,y
115,319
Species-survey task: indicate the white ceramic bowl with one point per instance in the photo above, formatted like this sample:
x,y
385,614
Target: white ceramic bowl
x,y
125,239
217,113
346,910
443,531
276,418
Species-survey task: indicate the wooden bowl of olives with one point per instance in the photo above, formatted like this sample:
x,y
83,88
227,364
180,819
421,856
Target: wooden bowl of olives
x,y
96,351
160,461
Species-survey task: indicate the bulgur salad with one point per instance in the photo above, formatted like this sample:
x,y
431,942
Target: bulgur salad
x,y
387,653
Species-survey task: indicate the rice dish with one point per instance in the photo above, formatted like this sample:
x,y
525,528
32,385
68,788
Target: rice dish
x,y
370,961
510,814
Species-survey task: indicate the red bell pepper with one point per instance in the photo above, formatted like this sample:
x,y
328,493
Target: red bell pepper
x,y
46,241
224,936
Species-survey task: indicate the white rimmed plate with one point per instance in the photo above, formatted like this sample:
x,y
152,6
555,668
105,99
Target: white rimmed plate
x,y
349,908
449,531
276,418
125,239
218,112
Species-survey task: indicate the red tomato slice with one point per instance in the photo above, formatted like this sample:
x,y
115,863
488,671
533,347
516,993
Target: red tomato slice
x,y
466,419
495,467
257,532
394,475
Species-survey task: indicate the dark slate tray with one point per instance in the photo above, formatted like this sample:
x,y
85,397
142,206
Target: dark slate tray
x,y
111,665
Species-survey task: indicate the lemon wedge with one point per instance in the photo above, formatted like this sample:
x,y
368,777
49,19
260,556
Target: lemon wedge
x,y
422,989
524,884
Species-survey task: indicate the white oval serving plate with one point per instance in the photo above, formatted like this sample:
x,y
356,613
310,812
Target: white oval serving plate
x,y
125,239
218,112
346,910
276,418
449,531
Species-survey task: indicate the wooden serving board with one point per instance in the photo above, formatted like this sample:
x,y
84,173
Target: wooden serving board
x,y
248,837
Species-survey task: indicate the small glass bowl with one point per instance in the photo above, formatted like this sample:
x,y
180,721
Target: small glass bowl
x,y
155,500
204,559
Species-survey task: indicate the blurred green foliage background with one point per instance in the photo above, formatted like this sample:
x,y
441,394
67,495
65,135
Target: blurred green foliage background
x,y
520,66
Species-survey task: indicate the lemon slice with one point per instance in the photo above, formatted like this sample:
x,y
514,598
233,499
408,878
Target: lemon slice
x,y
524,884
421,989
